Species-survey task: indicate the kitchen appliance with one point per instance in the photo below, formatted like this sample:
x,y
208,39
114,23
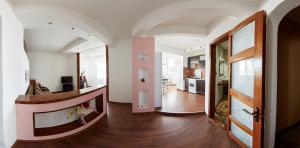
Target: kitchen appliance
x,y
192,85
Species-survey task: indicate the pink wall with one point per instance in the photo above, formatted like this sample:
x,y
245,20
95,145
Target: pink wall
x,y
147,47
25,112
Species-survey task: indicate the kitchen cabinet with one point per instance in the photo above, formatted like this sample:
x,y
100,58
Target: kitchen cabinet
x,y
194,60
196,85
200,86
186,84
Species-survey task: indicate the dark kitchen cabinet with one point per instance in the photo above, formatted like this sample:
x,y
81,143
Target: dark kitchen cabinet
x,y
200,59
200,86
186,84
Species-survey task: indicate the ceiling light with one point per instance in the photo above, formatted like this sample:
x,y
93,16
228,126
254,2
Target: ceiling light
x,y
73,28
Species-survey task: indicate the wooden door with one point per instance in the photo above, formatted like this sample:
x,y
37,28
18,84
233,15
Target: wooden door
x,y
246,88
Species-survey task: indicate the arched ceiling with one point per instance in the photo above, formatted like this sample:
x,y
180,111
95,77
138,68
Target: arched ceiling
x,y
108,20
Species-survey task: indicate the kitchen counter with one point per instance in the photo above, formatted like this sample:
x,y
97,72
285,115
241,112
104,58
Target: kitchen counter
x,y
195,85
195,78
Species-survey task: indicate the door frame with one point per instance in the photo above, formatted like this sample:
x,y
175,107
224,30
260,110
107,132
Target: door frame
x,y
212,79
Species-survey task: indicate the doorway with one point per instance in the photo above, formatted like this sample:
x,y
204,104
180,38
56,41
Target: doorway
x,y
182,81
246,52
288,94
219,81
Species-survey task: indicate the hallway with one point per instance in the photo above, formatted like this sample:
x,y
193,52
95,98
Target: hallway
x,y
121,128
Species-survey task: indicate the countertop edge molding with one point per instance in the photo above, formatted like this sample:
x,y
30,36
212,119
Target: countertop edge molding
x,y
58,97
24,114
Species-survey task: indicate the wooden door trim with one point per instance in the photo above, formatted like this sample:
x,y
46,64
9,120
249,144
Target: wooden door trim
x,y
107,72
237,140
241,97
246,54
241,125
259,79
247,21
213,46
78,69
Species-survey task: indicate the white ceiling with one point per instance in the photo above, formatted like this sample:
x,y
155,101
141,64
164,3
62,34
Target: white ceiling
x,y
43,35
195,19
50,39
115,19
183,42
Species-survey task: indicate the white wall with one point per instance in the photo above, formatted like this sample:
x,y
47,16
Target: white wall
x,y
120,71
14,64
160,48
158,71
172,72
1,101
89,66
47,69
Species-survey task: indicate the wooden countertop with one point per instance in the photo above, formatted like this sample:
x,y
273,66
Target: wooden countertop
x,y
57,97
196,78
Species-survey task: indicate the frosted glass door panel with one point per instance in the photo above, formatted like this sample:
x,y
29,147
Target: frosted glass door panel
x,y
241,135
243,77
238,113
243,38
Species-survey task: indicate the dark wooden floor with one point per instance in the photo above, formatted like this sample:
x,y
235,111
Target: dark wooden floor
x,y
123,129
178,101
289,137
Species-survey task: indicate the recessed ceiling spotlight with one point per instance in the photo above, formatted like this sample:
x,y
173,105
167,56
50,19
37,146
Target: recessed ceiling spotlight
x,y
50,23
73,28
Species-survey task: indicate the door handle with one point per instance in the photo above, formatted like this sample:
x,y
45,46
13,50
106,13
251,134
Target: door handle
x,y
254,113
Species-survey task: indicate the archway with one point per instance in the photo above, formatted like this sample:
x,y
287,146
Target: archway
x,y
276,12
288,96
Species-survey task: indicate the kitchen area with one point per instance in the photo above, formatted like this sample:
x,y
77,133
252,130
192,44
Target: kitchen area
x,y
183,83
194,75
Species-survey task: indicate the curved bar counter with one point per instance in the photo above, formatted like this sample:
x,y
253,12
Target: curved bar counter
x,y
44,117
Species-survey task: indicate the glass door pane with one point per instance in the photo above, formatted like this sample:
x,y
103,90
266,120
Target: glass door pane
x,y
240,115
243,77
242,82
241,135
243,39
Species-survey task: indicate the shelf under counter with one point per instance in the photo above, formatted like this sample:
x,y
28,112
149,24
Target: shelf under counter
x,y
28,107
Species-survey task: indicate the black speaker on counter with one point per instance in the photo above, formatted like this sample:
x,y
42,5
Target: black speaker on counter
x,y
67,83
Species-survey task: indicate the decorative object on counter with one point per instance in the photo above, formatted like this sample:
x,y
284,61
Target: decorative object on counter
x,y
81,110
143,80
35,88
83,81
